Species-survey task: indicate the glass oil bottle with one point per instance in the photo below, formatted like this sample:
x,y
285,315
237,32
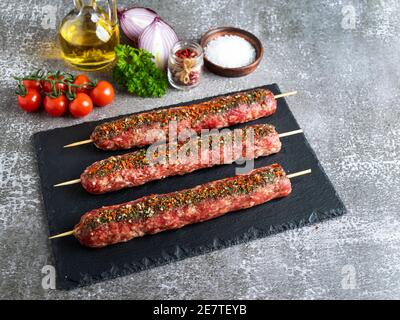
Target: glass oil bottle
x,y
89,34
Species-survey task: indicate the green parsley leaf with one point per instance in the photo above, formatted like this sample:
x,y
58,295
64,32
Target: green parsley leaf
x,y
136,71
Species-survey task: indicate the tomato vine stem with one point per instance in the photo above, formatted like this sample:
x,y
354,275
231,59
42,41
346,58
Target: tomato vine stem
x,y
53,77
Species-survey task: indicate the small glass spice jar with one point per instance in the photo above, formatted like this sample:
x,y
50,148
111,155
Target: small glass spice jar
x,y
185,65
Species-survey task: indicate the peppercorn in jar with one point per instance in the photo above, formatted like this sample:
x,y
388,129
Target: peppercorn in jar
x,y
185,65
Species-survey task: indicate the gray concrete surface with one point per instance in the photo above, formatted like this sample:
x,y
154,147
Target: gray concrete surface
x,y
348,81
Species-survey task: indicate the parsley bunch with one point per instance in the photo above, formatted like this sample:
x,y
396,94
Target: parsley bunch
x,y
136,71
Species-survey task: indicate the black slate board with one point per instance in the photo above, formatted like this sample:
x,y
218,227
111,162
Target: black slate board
x,y
313,199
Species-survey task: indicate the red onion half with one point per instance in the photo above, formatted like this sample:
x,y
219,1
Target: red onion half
x,y
158,38
134,21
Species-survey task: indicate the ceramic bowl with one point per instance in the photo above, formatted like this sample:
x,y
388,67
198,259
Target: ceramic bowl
x,y
232,72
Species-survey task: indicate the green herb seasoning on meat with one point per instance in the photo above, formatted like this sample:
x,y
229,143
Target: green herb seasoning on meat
x,y
145,165
156,204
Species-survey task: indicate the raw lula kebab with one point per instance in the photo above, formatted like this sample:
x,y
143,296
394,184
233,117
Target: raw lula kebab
x,y
156,213
137,168
220,112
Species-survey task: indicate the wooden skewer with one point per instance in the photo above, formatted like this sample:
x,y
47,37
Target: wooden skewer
x,y
286,94
298,174
67,183
290,133
70,233
76,181
79,143
62,235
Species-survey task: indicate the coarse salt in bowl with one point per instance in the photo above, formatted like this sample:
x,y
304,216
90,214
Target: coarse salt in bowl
x,y
230,51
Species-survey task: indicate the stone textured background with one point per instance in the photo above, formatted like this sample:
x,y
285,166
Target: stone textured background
x,y
348,82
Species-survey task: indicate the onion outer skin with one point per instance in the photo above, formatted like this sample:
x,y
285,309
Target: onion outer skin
x,y
143,16
158,38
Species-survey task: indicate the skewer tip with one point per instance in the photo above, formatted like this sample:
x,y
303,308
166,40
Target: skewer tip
x,y
290,133
298,174
286,94
62,235
79,143
67,183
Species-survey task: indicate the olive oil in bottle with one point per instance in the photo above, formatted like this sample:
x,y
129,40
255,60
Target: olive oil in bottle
x,y
89,34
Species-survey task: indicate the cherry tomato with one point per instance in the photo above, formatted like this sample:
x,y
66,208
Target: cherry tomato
x,y
81,106
34,84
47,86
55,107
103,94
31,101
82,79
